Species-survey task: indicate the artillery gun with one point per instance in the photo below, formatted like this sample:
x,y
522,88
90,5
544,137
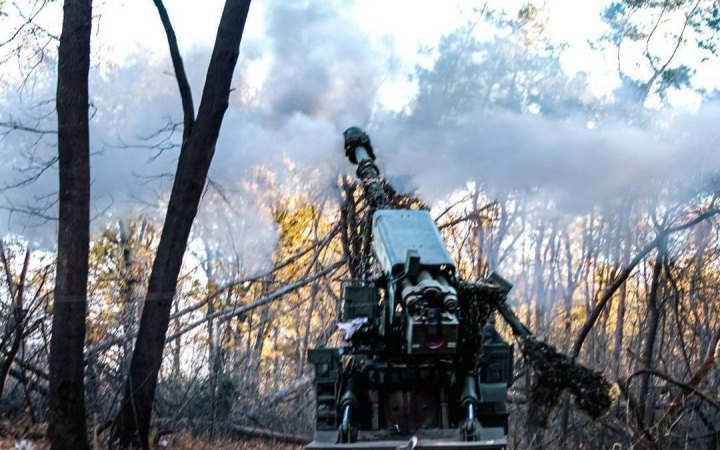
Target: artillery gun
x,y
423,366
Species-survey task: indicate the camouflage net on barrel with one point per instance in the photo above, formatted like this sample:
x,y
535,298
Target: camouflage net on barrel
x,y
400,200
373,185
477,302
555,372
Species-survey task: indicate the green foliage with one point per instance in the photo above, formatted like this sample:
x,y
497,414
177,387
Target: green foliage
x,y
517,70
669,34
677,78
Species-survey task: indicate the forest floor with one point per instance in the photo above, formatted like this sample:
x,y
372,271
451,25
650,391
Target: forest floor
x,y
14,436
189,442
181,442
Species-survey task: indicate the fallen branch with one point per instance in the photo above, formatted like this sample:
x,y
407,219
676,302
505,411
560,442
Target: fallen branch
x,y
227,314
105,346
276,436
241,430
712,355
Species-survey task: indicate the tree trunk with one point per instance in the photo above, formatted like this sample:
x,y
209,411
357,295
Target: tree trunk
x,y
16,324
133,422
67,428
213,357
622,300
646,358
539,285
129,236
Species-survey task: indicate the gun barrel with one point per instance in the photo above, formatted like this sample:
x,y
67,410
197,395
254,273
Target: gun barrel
x,y
361,154
512,320
358,147
359,150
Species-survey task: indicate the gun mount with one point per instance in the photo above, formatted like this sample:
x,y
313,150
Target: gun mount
x,y
423,366
411,374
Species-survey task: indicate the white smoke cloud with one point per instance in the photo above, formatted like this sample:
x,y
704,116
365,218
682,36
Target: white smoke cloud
x,y
322,74
316,85
576,165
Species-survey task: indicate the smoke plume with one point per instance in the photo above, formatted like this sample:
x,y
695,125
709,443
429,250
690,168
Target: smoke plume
x,y
310,74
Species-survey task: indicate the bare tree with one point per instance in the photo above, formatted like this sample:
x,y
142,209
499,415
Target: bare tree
x,y
16,322
67,428
200,134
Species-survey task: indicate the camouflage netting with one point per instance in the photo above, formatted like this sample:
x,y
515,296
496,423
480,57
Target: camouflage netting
x,y
373,185
477,302
555,372
399,200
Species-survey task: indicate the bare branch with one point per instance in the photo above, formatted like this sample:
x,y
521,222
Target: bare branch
x,y
183,85
13,125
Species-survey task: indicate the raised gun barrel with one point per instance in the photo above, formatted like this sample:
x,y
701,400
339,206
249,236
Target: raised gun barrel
x,y
357,145
413,257
359,150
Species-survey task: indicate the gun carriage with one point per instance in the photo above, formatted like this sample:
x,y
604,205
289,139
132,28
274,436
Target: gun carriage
x,y
423,366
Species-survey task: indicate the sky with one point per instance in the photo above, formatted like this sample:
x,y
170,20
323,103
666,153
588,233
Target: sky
x,y
307,71
397,29
130,29
400,29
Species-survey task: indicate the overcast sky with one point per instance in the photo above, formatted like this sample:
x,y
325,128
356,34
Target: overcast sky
x,y
130,29
398,28
309,69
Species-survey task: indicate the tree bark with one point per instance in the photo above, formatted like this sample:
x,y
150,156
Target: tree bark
x,y
16,323
711,356
132,425
622,300
67,428
538,280
653,318
625,273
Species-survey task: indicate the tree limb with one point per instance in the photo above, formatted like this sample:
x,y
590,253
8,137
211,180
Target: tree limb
x,y
180,76
227,314
610,291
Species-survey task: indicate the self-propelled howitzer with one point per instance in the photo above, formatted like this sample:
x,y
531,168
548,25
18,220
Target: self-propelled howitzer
x,y
422,365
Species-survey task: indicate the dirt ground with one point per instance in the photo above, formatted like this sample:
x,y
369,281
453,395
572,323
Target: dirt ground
x,y
28,439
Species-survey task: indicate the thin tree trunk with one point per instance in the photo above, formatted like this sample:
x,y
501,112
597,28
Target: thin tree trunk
x,y
307,328
177,371
257,350
132,426
646,357
625,273
622,300
314,292
67,428
213,366
16,324
129,288
539,285
479,238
